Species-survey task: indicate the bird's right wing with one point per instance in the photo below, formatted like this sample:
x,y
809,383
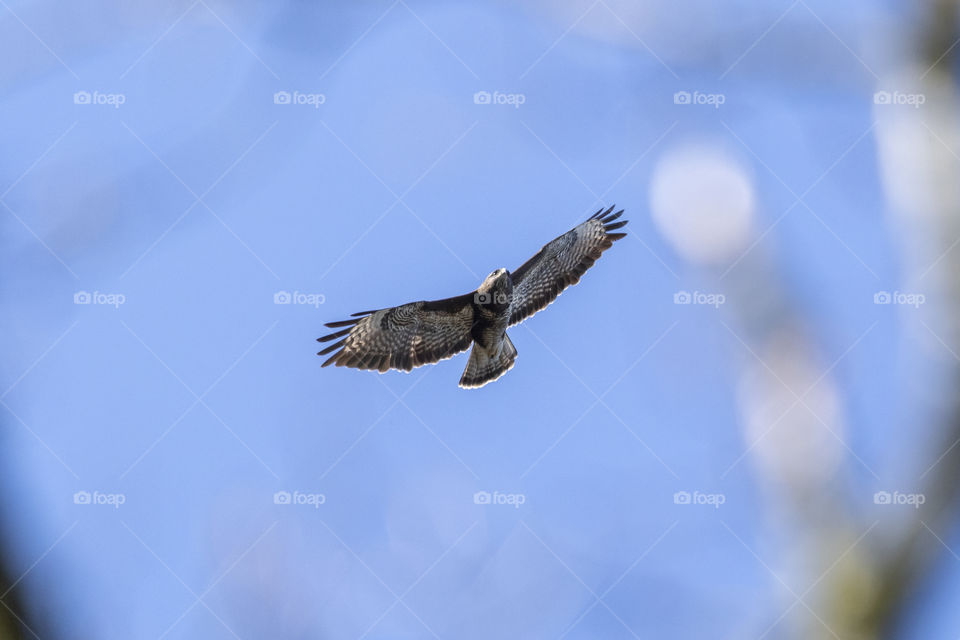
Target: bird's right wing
x,y
402,337
561,262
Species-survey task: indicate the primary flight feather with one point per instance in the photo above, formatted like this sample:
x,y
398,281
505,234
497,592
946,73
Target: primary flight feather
x,y
425,332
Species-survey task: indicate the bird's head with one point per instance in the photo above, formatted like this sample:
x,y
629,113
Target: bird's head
x,y
498,280
495,289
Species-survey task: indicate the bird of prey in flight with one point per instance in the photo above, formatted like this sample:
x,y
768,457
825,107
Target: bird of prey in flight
x,y
425,332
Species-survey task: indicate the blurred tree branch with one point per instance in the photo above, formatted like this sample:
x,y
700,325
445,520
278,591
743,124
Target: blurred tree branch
x,y
895,575
13,616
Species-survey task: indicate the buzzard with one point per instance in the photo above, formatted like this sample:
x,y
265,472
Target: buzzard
x,y
425,332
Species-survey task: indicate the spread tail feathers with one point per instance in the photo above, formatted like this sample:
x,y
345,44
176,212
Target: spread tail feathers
x,y
487,365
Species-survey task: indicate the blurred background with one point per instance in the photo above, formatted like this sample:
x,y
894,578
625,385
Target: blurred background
x,y
743,423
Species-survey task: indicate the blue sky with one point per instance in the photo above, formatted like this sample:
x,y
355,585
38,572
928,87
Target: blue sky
x,y
159,192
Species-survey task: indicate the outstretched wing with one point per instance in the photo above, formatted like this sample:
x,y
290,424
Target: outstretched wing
x,y
560,263
402,337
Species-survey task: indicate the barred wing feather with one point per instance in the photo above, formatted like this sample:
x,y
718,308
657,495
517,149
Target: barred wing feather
x,y
561,262
402,337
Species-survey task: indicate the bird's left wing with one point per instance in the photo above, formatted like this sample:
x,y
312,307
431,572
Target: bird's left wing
x,y
561,262
402,337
